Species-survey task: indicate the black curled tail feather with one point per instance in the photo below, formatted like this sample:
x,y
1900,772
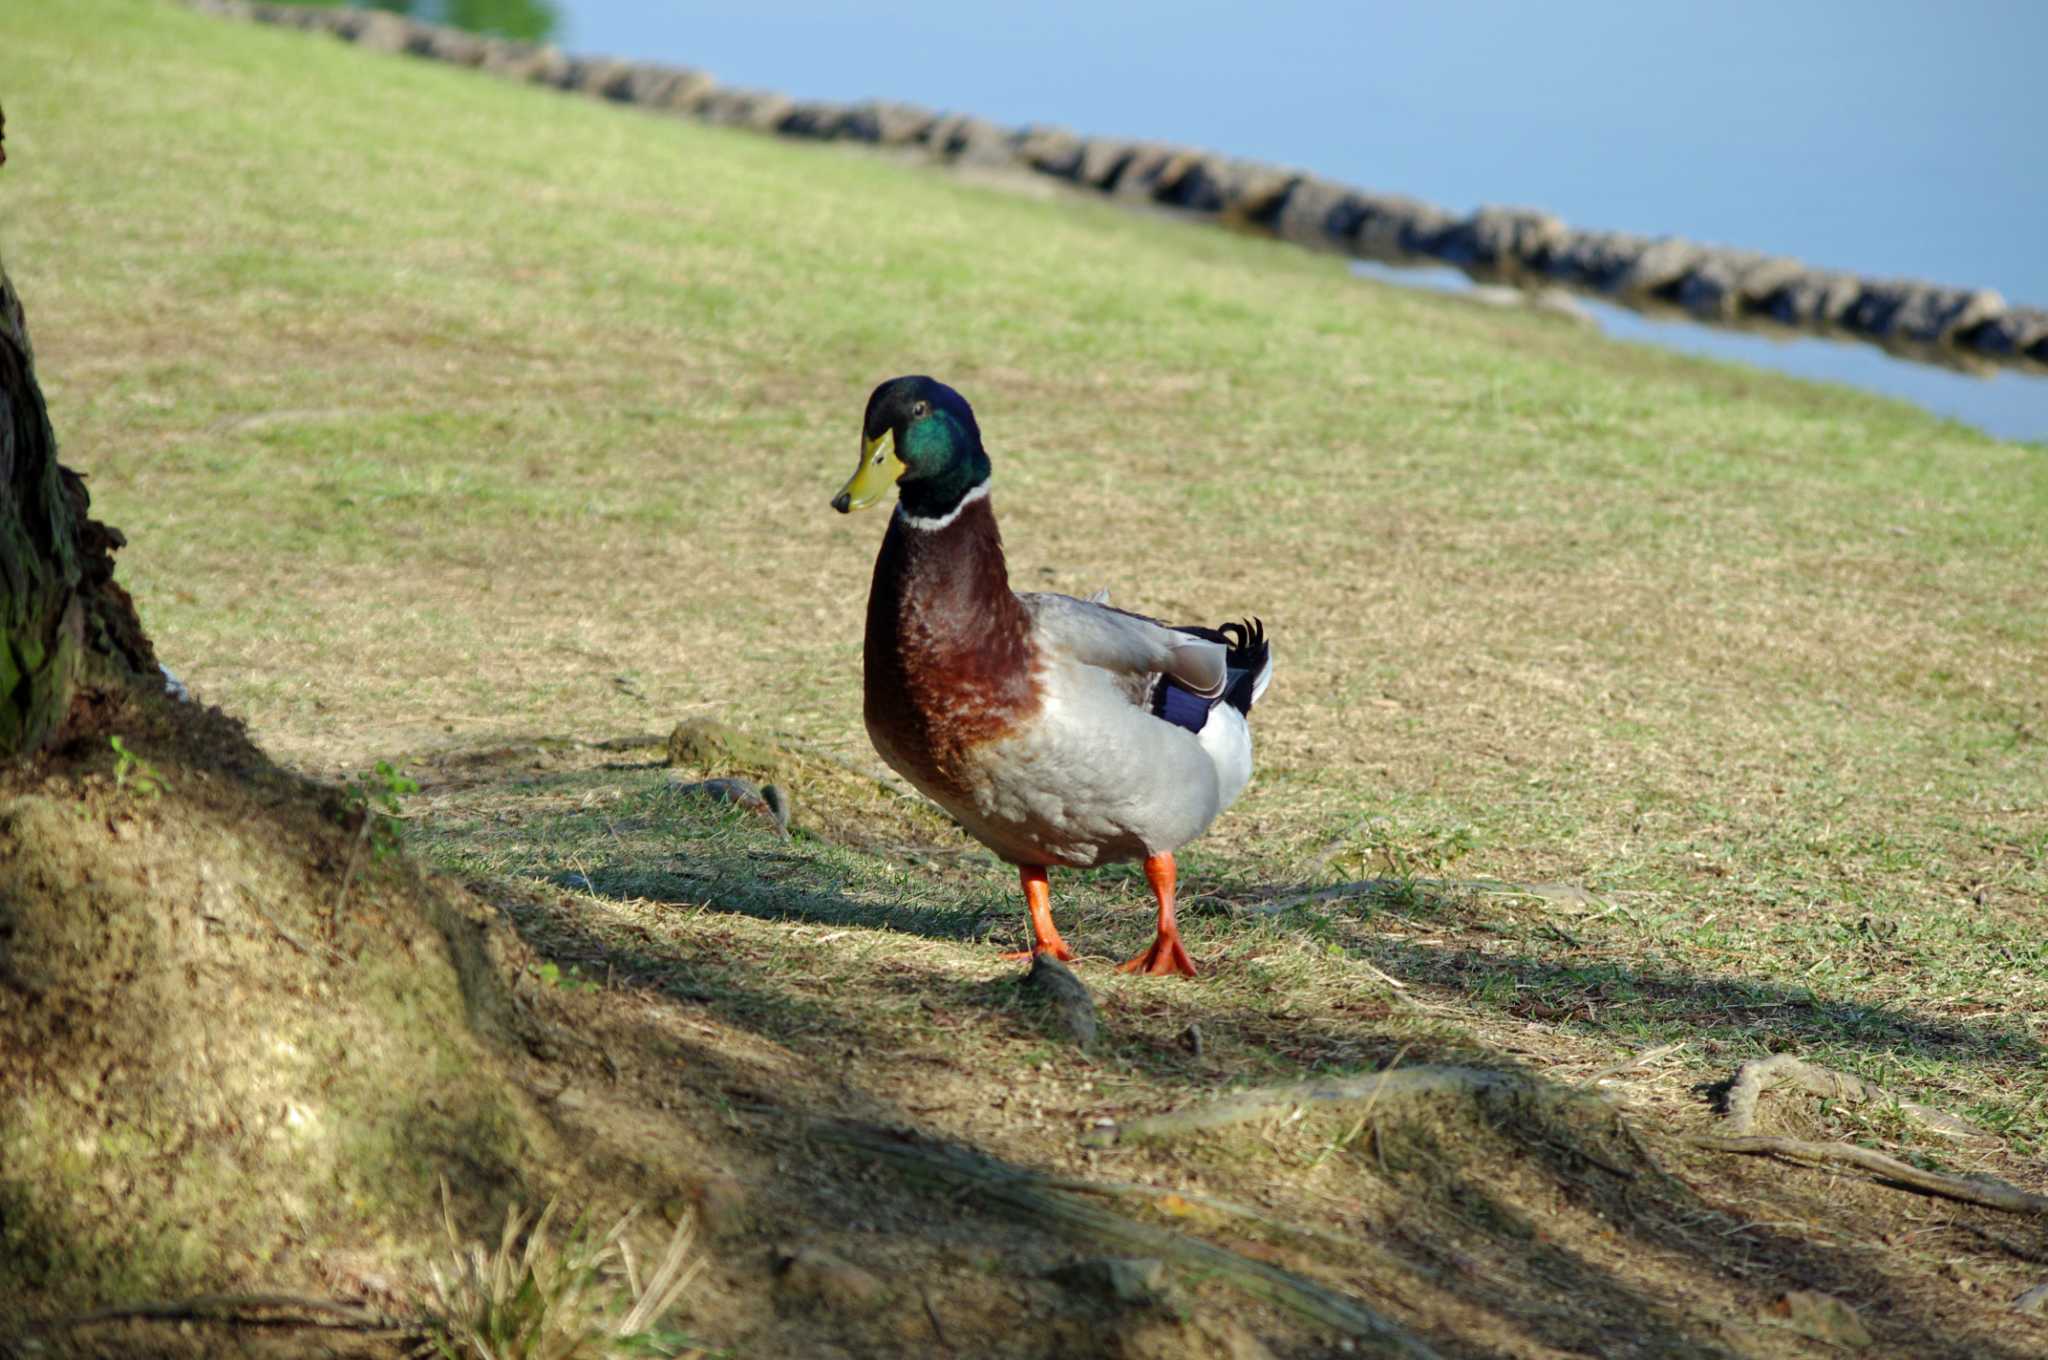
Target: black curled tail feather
x,y
1248,659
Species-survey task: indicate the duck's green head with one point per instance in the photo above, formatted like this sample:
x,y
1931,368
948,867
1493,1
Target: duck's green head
x,y
920,434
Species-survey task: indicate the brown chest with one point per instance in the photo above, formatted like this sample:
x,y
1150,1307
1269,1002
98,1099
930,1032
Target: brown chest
x,y
949,661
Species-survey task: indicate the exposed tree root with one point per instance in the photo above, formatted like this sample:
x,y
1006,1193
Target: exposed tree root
x,y
1038,1200
1755,1077
1270,1102
1985,1190
1752,1079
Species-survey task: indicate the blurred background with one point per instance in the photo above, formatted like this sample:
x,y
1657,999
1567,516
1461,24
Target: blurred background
x,y
1886,138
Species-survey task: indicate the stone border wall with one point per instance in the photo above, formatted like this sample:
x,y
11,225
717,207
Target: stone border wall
x,y
1957,327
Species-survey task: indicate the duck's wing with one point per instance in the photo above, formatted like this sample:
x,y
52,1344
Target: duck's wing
x,y
1249,660
1129,645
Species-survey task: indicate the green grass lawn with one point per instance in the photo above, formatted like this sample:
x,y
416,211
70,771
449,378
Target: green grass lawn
x,y
443,413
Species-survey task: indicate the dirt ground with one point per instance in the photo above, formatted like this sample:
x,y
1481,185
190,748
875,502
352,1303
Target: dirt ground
x,y
250,1059
1570,1220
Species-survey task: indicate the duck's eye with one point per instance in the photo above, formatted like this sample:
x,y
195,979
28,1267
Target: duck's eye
x,y
920,409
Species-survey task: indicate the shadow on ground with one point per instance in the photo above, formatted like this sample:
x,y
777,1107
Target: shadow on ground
x,y
1477,1232
760,988
943,892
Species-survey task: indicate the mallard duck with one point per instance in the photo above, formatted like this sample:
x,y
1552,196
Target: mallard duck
x,y
1055,730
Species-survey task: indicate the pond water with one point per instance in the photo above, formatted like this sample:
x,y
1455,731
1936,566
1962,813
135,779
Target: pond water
x,y
1887,137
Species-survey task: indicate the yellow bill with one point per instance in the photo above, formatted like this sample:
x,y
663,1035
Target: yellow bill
x,y
879,468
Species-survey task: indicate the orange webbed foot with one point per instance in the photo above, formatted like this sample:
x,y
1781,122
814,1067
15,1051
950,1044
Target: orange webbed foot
x,y
1166,958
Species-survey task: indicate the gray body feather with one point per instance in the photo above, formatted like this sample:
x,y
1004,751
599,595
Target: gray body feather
x,y
1094,777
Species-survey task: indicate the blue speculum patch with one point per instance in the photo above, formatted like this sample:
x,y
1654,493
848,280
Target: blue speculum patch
x,y
1180,707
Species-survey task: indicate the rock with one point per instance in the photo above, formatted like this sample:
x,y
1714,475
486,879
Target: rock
x,y
1918,312
760,110
1820,1316
551,67
535,63
1142,172
818,119
898,124
420,39
1051,151
1103,159
1872,311
884,123
1329,216
1503,243
383,31
863,122
1119,1279
1248,192
501,54
1758,277
606,77
347,22
689,94
769,802
629,82
1317,213
1244,191
1656,267
1394,229
813,1275
2012,332
453,45
1596,259
723,107
2033,1300
1814,299
656,86
1708,288
1938,315
975,141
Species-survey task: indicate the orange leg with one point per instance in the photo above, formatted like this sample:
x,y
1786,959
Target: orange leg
x,y
1045,937
1166,954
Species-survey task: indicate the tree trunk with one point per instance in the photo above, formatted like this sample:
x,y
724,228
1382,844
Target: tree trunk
x,y
67,632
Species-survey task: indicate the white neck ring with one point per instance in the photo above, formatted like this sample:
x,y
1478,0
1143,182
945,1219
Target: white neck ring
x,y
978,492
